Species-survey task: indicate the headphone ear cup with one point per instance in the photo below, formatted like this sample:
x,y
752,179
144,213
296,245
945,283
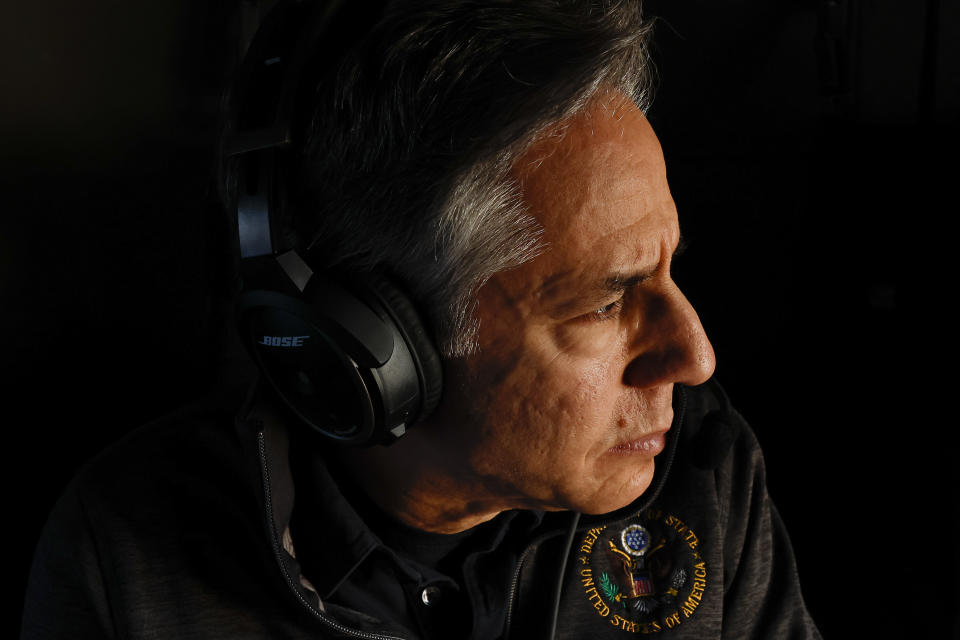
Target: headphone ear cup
x,y
350,358
426,358
316,371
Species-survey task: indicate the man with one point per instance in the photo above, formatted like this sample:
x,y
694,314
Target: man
x,y
581,476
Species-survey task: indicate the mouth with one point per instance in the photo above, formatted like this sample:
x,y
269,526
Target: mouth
x,y
648,445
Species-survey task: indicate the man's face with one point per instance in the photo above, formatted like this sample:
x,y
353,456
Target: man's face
x,y
570,395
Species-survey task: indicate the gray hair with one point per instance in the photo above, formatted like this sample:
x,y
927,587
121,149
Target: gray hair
x,y
408,149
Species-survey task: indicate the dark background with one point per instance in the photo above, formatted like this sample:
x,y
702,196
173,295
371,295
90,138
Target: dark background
x,y
811,148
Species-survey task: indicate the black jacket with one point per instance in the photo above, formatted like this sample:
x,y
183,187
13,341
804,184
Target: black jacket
x,y
182,530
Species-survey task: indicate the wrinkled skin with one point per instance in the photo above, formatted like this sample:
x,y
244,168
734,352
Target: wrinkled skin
x,y
568,374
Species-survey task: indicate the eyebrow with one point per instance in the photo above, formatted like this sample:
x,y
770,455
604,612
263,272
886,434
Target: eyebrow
x,y
613,284
619,282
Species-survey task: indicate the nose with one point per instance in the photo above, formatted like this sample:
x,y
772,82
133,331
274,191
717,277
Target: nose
x,y
671,344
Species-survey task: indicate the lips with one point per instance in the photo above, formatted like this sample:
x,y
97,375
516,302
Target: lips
x,y
649,445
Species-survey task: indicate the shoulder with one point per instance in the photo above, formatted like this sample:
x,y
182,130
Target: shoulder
x,y
191,443
723,465
715,436
721,462
719,468
165,479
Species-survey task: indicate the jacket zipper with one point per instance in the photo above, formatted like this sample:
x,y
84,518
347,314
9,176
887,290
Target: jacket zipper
x,y
513,588
673,449
275,540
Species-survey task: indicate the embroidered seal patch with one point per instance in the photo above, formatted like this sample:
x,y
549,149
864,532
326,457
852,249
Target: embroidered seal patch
x,y
644,574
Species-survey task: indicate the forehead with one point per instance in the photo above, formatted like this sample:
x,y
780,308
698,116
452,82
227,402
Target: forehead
x,y
599,189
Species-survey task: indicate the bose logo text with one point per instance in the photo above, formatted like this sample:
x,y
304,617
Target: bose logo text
x,y
283,341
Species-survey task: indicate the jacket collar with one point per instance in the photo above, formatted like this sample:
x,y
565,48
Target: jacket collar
x,y
340,535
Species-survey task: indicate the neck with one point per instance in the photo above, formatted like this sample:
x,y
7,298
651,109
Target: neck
x,y
423,487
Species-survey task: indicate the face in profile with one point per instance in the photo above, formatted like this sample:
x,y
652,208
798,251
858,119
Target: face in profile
x,y
569,398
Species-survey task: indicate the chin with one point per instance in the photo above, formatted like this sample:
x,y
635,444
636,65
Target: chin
x,y
619,491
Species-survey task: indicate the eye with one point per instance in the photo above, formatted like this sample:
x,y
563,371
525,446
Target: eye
x,y
606,312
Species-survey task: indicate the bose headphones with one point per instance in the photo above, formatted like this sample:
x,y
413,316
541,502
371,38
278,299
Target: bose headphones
x,y
347,354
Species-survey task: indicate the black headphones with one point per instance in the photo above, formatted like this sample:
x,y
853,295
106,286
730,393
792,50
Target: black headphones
x,y
346,353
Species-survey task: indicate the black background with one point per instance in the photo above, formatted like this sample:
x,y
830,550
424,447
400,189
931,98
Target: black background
x,y
811,149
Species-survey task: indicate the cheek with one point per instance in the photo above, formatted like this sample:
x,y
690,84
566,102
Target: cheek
x,y
590,340
592,396
588,363
564,408
593,377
